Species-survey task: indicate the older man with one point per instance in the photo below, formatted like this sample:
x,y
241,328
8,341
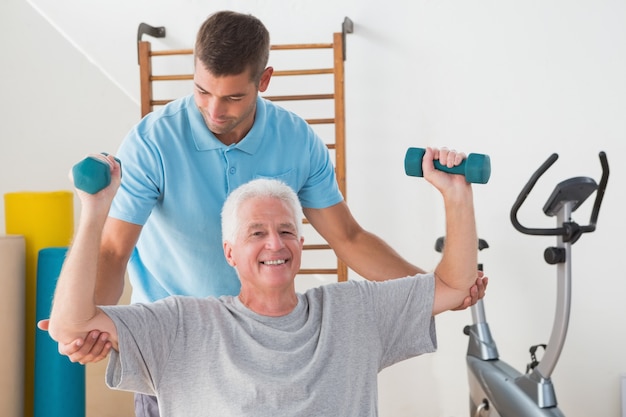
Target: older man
x,y
268,351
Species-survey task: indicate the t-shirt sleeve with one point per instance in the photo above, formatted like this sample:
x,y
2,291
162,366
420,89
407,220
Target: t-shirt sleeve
x,y
146,333
403,310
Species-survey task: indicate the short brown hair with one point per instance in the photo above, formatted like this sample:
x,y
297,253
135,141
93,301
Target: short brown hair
x,y
229,43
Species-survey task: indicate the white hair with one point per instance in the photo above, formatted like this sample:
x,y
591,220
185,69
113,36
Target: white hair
x,y
262,187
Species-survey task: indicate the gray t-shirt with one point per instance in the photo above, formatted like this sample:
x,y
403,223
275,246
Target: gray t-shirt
x,y
215,357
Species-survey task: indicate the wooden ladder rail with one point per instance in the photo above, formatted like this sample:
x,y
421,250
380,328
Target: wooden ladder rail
x,y
148,102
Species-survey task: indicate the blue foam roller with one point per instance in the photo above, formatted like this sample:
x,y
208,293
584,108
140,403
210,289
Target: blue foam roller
x,y
59,388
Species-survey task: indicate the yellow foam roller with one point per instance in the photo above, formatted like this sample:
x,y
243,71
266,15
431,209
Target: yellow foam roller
x,y
45,219
12,279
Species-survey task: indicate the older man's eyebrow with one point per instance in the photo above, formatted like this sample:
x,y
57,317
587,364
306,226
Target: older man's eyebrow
x,y
254,226
289,226
259,226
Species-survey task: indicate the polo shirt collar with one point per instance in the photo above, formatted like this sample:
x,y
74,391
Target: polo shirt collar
x,y
205,140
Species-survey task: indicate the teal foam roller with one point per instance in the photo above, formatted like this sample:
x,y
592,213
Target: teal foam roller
x,y
59,385
92,174
476,167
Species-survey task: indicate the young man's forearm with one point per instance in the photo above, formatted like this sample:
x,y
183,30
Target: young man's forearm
x,y
118,241
373,259
110,279
365,253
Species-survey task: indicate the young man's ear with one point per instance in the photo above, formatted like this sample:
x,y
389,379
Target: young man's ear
x,y
264,82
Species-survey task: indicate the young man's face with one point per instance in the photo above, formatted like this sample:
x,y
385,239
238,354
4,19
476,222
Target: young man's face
x,y
267,250
228,103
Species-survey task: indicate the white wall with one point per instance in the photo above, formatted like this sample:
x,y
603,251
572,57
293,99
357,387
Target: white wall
x,y
516,80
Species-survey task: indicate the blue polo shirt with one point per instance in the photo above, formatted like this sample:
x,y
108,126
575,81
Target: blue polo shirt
x,y
176,177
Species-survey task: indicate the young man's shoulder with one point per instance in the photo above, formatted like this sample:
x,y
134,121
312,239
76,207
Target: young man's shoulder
x,y
174,112
275,112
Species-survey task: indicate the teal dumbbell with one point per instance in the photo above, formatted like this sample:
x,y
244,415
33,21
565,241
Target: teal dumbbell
x,y
92,174
476,167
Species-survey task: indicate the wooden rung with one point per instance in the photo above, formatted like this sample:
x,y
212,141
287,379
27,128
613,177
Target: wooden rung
x,y
282,73
178,77
329,121
175,77
160,102
272,47
172,52
301,46
301,97
320,271
316,247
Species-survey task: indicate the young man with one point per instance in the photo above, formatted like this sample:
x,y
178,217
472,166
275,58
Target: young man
x,y
269,350
180,163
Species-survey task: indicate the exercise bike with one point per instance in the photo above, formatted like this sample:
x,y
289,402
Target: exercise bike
x,y
497,389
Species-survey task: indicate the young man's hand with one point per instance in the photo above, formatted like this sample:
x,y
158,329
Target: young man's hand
x,y
94,348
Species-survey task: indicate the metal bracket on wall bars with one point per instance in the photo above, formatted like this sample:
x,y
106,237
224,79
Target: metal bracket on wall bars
x,y
346,27
154,31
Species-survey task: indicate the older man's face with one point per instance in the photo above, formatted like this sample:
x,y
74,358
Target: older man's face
x,y
267,251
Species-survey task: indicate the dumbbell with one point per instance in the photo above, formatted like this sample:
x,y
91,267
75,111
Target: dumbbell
x,y
92,174
476,167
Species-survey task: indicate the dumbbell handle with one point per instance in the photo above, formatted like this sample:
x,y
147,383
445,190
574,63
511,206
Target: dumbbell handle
x,y
476,168
92,174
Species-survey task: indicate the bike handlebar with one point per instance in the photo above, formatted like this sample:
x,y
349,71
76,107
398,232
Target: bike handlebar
x,y
566,230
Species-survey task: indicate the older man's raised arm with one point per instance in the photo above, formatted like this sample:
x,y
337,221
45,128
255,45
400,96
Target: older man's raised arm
x,y
456,272
74,311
